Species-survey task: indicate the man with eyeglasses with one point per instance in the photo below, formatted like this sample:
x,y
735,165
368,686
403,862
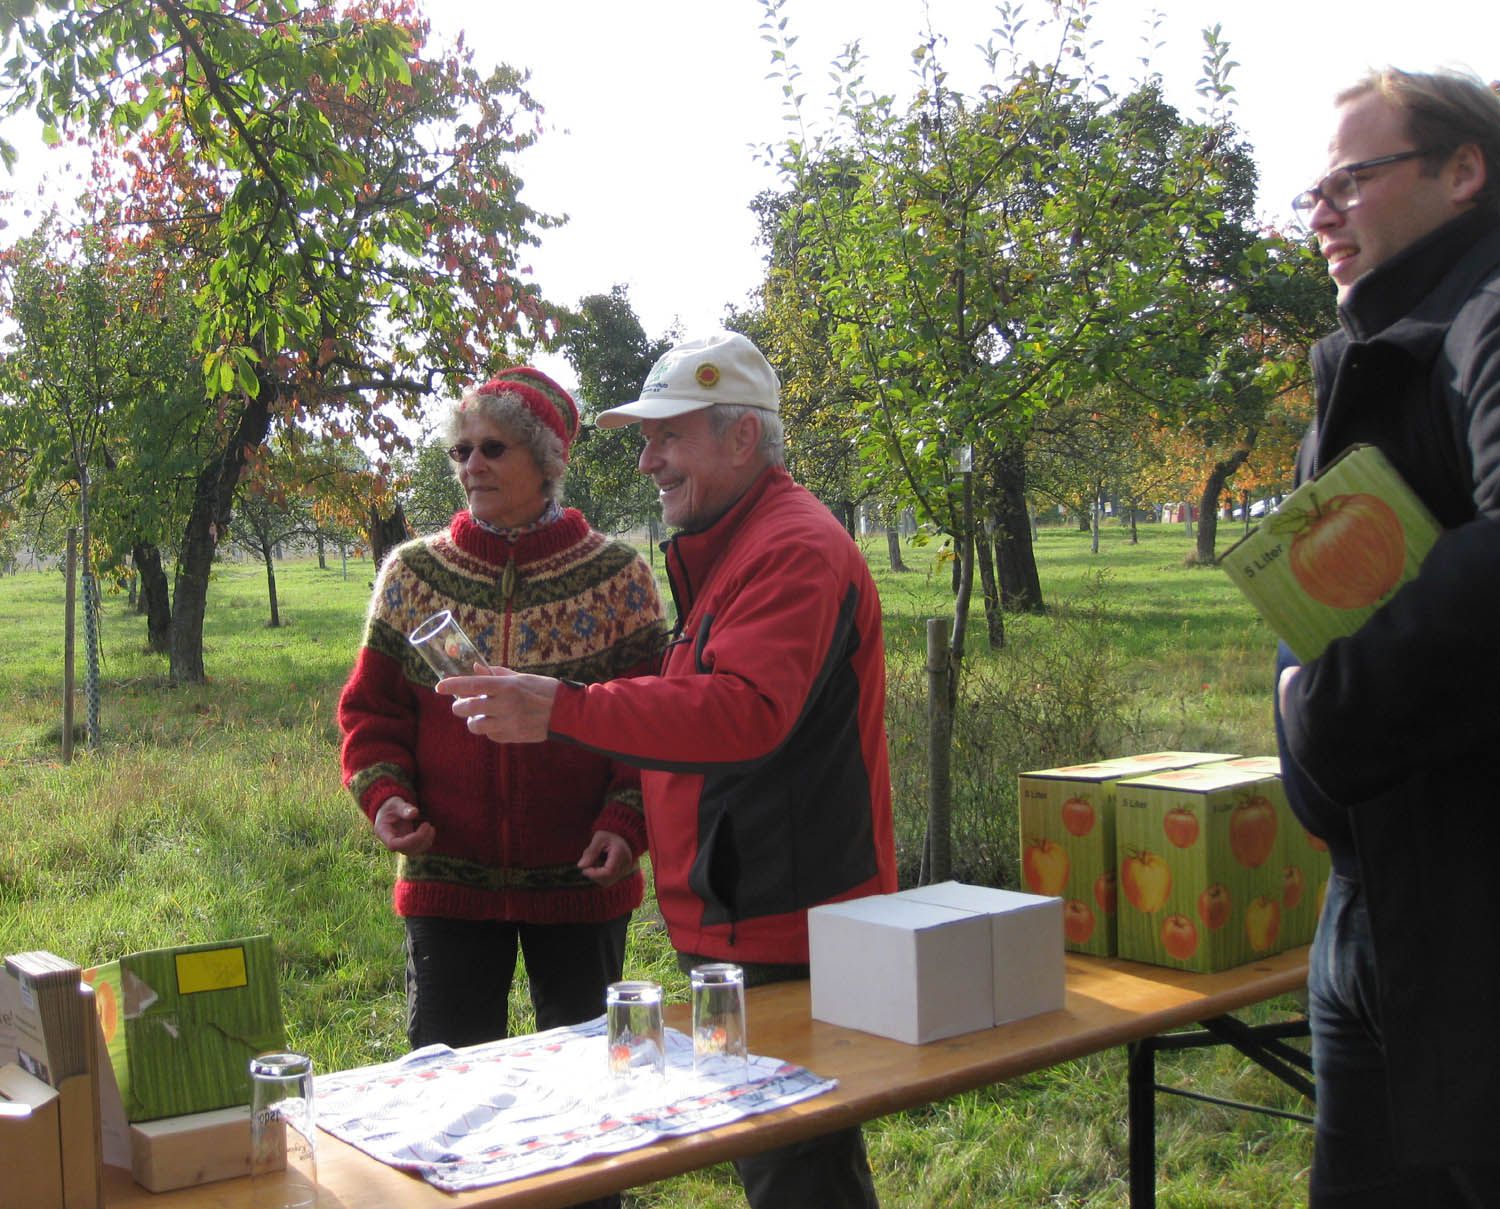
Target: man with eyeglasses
x,y
1388,739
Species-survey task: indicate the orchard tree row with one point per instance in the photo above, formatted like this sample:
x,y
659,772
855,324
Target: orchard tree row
x,y
1041,290
300,224
303,222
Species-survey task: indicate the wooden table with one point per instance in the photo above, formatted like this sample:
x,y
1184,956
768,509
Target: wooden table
x,y
1109,1003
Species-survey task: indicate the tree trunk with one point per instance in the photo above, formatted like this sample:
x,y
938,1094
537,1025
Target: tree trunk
x,y
989,586
893,550
213,498
386,532
267,553
322,557
966,544
845,513
1020,585
155,603
937,848
1208,505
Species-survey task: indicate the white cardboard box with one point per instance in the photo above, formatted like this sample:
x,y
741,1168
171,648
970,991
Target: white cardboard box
x,y
912,971
1026,943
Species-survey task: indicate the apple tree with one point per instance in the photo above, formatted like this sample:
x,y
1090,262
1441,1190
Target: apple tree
x,y
981,258
608,349
340,195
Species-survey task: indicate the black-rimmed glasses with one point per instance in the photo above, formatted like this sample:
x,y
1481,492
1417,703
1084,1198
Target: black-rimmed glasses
x,y
491,449
1340,188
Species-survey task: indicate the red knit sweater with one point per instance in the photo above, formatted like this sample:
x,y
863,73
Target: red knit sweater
x,y
511,819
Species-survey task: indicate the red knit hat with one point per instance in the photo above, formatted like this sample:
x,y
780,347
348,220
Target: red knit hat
x,y
541,396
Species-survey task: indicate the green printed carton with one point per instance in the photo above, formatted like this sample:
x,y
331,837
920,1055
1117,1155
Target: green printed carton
x,y
1306,864
1068,839
1201,854
1335,551
181,1025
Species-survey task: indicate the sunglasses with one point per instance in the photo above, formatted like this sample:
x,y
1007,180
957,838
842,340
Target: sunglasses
x,y
490,449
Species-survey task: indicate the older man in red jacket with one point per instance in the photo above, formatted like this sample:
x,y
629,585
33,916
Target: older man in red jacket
x,y
762,740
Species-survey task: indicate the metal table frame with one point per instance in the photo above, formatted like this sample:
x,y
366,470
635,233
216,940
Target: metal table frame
x,y
1264,1044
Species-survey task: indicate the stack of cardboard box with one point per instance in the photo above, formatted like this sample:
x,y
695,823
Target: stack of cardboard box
x,y
49,1086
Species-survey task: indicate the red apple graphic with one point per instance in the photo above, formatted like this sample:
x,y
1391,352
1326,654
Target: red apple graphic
x,y
1349,551
1214,905
1045,866
1078,921
1252,832
1316,842
1104,892
1179,937
1181,827
1147,880
1263,923
1078,816
1293,883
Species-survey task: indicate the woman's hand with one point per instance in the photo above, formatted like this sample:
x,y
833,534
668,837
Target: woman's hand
x,y
607,859
400,827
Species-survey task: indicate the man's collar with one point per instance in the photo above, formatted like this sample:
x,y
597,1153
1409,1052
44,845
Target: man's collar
x,y
1392,290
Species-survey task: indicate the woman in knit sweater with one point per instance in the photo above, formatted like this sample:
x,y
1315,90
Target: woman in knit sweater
x,y
503,847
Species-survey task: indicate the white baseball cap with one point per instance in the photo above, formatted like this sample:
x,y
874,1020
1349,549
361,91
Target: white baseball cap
x,y
722,368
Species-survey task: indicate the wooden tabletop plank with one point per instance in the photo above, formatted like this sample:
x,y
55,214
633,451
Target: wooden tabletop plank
x,y
1109,1003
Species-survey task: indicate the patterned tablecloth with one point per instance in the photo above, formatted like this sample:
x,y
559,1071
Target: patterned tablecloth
x,y
489,1113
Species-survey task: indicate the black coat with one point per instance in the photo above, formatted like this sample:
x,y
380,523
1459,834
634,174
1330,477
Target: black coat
x,y
1391,738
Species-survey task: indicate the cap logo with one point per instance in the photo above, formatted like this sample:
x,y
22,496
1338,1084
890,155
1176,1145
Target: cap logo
x,y
707,375
656,380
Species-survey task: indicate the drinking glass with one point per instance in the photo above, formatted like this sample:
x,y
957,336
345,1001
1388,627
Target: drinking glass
x,y
718,992
637,1039
444,645
283,1138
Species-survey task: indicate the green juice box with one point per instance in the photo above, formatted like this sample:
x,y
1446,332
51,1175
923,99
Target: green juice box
x,y
1307,865
1067,823
1335,550
1201,858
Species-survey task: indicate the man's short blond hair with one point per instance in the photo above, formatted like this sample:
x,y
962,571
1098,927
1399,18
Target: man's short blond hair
x,y
1444,110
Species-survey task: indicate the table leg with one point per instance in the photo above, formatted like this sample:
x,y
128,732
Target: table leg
x,y
1141,1111
1263,1044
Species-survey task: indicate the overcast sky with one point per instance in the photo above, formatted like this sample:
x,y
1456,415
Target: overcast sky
x,y
654,109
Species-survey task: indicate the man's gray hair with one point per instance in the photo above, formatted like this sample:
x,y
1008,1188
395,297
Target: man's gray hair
x,y
772,446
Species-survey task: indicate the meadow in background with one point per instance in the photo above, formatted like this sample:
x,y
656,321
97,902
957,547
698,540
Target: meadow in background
x,y
215,811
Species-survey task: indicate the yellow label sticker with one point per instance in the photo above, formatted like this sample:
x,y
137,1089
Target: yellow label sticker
x,y
211,970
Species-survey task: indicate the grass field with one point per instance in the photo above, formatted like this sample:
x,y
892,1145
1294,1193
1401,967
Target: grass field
x,y
215,810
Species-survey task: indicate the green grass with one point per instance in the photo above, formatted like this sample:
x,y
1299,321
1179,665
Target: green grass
x,y
216,810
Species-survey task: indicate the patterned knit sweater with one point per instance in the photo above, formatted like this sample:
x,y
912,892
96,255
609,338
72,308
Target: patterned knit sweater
x,y
511,819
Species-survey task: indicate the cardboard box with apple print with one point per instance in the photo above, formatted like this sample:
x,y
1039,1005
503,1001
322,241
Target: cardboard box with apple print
x,y
1067,823
1335,550
1306,864
1201,856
